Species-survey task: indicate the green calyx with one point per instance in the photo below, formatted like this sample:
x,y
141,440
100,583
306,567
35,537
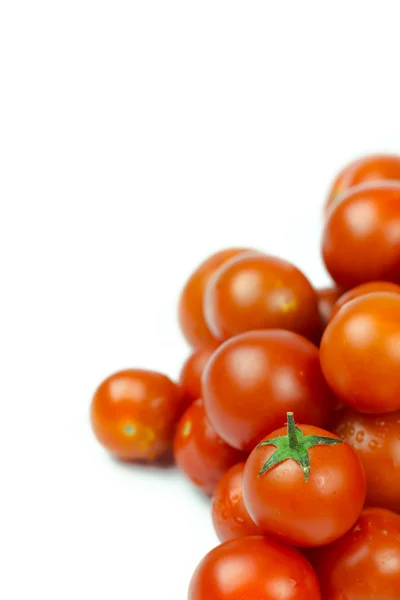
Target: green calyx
x,y
294,445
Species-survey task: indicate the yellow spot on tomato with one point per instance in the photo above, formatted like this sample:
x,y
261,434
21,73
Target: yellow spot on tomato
x,y
129,429
142,436
288,305
187,428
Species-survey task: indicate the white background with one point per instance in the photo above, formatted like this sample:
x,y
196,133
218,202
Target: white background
x,y
135,139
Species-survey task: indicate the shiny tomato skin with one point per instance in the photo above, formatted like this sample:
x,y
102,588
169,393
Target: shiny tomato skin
x,y
190,308
229,514
254,568
360,353
305,513
192,371
327,299
256,291
253,379
365,563
134,413
199,452
376,439
361,290
361,239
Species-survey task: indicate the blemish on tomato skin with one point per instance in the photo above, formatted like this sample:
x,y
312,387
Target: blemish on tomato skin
x,y
187,429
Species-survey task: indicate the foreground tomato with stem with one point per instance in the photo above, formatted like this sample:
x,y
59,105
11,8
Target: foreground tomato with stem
x,y
134,414
253,379
362,290
230,517
253,568
365,563
304,485
360,353
199,451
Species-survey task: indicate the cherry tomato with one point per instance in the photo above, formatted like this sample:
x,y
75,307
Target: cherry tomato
x,y
199,452
253,568
361,240
134,413
376,439
255,291
360,353
379,167
365,563
252,380
361,290
327,298
192,371
229,514
304,485
190,310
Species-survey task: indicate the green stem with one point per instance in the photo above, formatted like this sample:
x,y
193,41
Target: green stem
x,y
291,432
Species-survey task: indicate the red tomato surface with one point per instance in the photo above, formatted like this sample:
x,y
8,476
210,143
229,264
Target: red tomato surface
x,y
327,299
299,512
229,514
365,563
254,568
190,310
256,291
377,167
199,452
376,439
361,290
252,380
360,353
134,413
192,371
361,240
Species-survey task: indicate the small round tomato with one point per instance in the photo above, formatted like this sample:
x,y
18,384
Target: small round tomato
x,y
376,439
361,240
304,485
229,514
360,353
134,413
252,380
379,167
327,298
190,310
365,563
199,452
254,567
361,290
192,371
256,291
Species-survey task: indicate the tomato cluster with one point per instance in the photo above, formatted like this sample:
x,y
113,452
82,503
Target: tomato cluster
x,y
287,411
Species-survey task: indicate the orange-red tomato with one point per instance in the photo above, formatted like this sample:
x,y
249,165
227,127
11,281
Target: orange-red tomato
x,y
199,452
365,563
252,380
229,514
376,439
327,298
378,167
256,291
253,568
192,371
361,240
134,413
190,310
310,500
361,290
360,353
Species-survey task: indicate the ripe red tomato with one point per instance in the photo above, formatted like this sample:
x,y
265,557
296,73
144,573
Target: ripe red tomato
x,y
365,563
199,452
252,380
190,310
360,353
256,291
327,298
192,371
361,290
304,485
376,439
379,167
254,567
229,514
134,413
361,240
